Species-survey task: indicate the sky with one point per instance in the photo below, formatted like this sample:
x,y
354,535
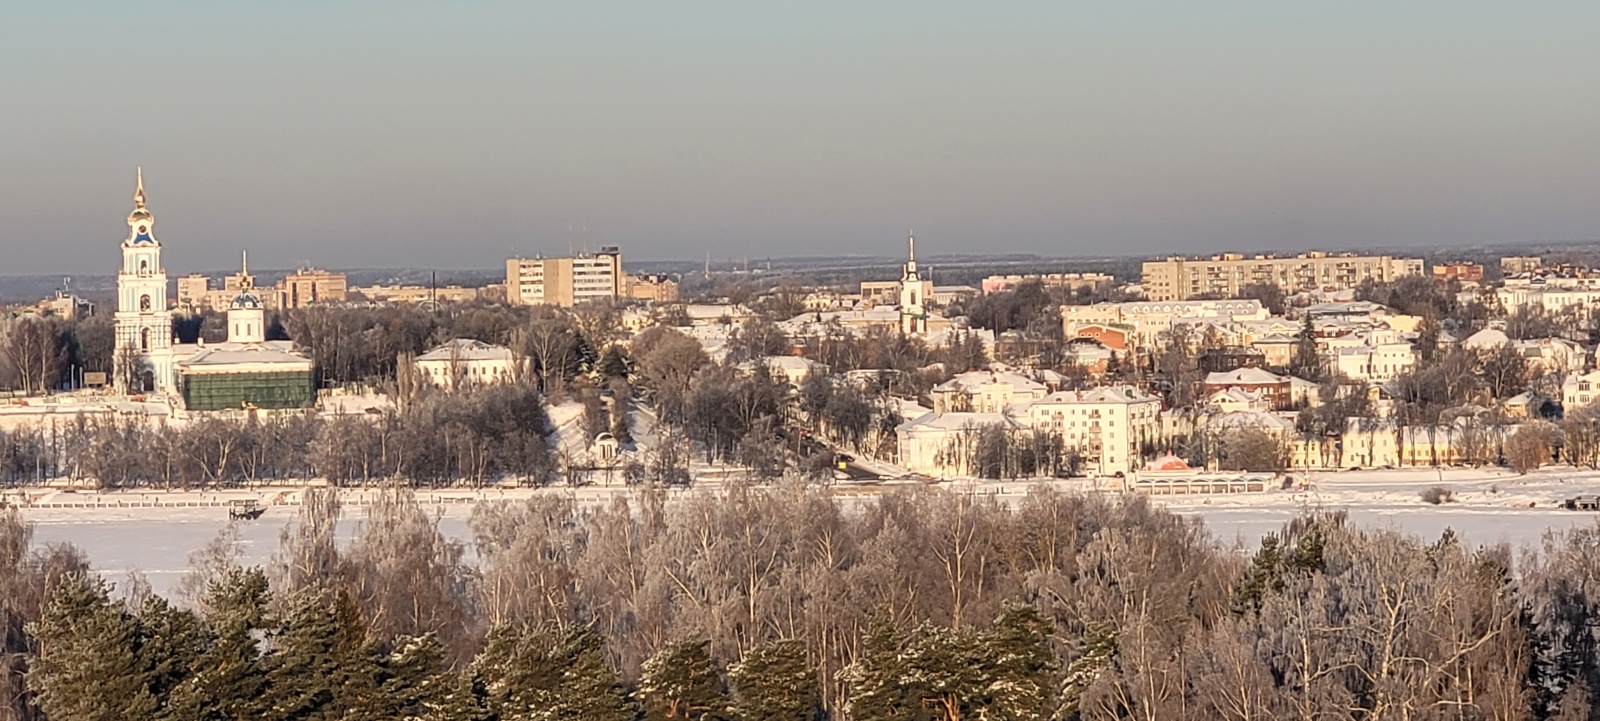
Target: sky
x,y
454,135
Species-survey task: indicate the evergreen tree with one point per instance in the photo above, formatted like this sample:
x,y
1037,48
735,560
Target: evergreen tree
x,y
463,699
614,364
1263,577
775,683
680,682
1307,362
947,665
88,667
1099,647
322,666
1308,549
170,642
227,681
1022,669
551,673
413,681
876,681
590,689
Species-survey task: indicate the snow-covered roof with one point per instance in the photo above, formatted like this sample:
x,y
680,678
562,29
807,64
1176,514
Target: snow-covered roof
x,y
973,381
215,357
954,421
1101,395
1233,395
1251,419
466,349
1486,338
1243,376
791,363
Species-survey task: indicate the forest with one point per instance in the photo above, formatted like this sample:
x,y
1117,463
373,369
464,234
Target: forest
x,y
788,602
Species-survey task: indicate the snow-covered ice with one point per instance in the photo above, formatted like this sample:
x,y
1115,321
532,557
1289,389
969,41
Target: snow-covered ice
x,y
1489,506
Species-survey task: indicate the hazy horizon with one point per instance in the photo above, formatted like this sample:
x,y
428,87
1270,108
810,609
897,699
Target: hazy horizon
x,y
368,134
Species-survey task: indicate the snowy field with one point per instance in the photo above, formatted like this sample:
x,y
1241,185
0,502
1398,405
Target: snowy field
x,y
1489,506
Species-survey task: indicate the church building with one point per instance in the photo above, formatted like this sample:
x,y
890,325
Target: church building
x,y
245,372
143,323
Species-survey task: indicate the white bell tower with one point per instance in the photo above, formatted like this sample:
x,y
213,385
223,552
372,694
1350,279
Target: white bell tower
x,y
143,321
914,292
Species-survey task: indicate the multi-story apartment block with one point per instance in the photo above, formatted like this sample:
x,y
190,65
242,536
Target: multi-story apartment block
x,y
1109,426
565,281
1462,271
309,286
985,392
1514,265
1224,276
1069,281
658,288
1143,322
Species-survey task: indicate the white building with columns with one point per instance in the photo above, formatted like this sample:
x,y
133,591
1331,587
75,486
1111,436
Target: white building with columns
x,y
143,322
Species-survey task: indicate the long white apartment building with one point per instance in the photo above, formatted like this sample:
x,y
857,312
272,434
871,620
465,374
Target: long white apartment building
x,y
1225,275
1145,321
1110,427
1554,295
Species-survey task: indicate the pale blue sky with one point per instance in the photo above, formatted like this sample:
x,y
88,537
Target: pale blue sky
x,y
414,134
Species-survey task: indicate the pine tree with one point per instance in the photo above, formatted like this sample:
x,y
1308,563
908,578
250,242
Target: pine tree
x,y
614,364
322,666
412,684
463,699
1263,577
88,667
947,665
775,683
518,669
170,642
681,682
1022,670
1307,361
876,681
590,689
1308,550
551,673
1099,647
227,681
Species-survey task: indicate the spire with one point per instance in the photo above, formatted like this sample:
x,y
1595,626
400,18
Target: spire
x,y
138,193
244,269
911,237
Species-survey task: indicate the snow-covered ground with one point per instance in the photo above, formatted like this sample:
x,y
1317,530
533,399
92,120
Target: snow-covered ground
x,y
125,531
1489,505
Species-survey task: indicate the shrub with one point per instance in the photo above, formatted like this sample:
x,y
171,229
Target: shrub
x,y
1438,494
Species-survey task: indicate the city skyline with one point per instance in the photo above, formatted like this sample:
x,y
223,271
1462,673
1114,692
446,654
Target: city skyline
x,y
370,136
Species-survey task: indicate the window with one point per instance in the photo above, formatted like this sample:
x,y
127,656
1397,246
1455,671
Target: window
x,y
144,338
144,304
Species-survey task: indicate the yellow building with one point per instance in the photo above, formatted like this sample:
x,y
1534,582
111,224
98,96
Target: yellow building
x,y
310,286
565,281
1224,276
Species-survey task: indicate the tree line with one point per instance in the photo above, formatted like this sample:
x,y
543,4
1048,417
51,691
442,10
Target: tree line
x,y
789,603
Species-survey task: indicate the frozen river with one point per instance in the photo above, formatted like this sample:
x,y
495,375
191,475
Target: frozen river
x,y
1491,506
